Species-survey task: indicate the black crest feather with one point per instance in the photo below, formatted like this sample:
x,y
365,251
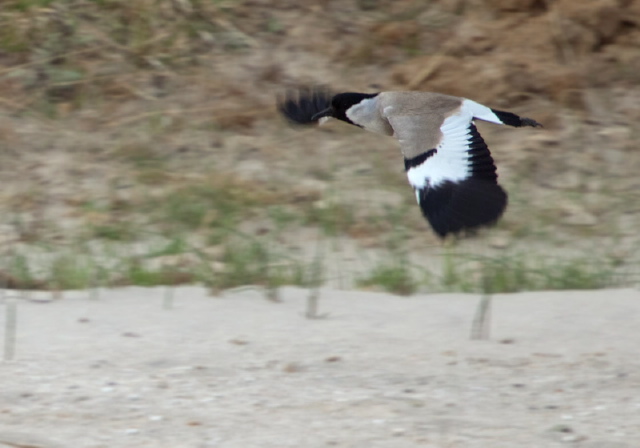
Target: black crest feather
x,y
300,106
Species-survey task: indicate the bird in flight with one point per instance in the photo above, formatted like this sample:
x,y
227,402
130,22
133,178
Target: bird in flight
x,y
447,162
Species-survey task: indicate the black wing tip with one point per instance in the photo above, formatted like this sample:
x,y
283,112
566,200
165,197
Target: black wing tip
x,y
299,106
530,122
454,207
512,119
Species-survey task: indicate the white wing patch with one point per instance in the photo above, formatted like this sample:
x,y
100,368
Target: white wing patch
x,y
477,110
451,161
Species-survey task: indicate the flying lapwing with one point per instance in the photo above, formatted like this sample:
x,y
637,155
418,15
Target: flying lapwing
x,y
446,160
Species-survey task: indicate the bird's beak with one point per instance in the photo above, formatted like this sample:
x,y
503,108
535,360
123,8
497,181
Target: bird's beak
x,y
323,113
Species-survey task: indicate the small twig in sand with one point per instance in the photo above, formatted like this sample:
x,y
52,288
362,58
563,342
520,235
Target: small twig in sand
x,y
56,293
272,293
312,304
480,328
94,284
315,282
167,301
10,326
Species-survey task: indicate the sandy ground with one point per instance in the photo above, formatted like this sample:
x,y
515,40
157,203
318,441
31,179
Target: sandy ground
x,y
238,371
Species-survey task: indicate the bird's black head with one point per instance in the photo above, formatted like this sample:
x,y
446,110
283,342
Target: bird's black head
x,y
307,106
341,102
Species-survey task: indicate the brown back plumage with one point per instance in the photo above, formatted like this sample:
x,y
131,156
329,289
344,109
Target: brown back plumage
x,y
416,118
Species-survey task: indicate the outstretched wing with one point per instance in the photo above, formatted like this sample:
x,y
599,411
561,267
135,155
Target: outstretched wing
x,y
300,106
456,181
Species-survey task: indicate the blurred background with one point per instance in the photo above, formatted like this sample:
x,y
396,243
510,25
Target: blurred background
x,y
140,143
